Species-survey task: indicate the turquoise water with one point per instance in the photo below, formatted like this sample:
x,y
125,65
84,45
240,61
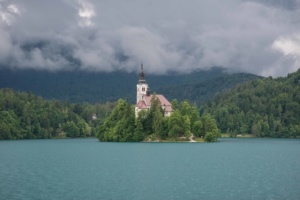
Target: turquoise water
x,y
88,169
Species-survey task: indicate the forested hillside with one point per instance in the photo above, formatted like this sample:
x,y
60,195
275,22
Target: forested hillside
x,y
27,116
78,86
262,107
265,107
204,91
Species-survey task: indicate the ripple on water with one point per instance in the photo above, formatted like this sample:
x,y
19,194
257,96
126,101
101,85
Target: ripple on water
x,y
87,169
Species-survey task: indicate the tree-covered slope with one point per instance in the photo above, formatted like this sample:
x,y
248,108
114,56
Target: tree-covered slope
x,y
204,91
264,107
78,86
27,116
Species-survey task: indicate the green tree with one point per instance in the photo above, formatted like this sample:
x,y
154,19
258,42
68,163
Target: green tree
x,y
193,115
139,130
174,104
186,126
157,113
185,108
71,129
175,124
209,127
119,126
196,129
164,129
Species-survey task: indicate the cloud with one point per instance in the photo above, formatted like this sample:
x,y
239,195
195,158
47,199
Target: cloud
x,y
13,9
86,13
8,13
138,44
289,46
260,37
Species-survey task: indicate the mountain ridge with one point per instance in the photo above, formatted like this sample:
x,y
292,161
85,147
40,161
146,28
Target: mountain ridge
x,y
78,86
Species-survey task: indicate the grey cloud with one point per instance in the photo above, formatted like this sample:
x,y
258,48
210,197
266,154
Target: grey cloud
x,y
243,35
284,4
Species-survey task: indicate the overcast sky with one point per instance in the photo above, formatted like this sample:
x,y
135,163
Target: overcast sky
x,y
256,36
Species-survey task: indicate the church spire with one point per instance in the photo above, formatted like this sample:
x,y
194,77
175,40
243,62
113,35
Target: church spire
x,y
142,75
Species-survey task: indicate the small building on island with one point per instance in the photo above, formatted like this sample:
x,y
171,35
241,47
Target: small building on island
x,y
143,97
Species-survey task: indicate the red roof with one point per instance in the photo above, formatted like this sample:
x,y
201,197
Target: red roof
x,y
141,105
146,102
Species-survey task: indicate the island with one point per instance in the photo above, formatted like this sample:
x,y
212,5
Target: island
x,y
154,118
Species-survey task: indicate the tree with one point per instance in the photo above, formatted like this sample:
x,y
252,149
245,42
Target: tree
x,y
185,108
119,126
5,133
175,124
174,104
210,137
196,129
209,128
193,115
186,125
139,130
71,129
164,129
157,113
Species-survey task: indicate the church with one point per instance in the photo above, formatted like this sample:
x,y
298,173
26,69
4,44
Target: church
x,y
143,97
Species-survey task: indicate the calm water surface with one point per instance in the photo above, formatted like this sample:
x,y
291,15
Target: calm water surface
x,y
87,169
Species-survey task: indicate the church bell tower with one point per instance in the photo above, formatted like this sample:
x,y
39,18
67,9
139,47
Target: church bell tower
x,y
142,86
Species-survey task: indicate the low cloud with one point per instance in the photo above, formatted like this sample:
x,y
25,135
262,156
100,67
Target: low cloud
x,y
86,13
289,46
260,37
8,13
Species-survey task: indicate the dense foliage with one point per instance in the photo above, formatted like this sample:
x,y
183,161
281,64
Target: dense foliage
x,y
265,108
78,86
122,126
25,116
204,91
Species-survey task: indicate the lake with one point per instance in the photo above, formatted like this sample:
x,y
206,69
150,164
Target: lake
x,y
87,169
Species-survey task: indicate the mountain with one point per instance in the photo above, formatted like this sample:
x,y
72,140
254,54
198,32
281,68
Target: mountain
x,y
265,107
203,91
79,86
